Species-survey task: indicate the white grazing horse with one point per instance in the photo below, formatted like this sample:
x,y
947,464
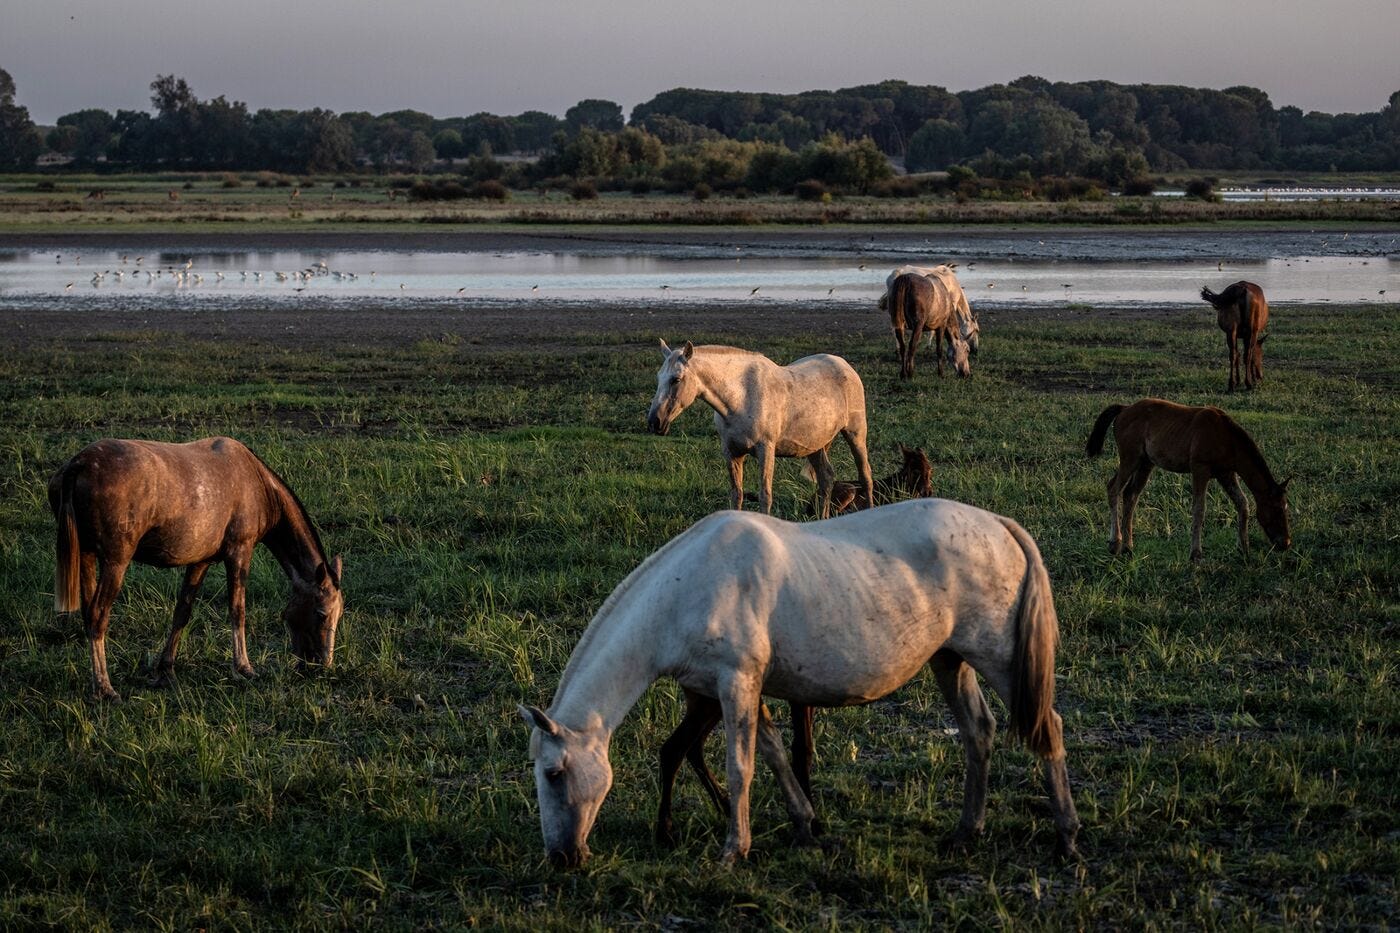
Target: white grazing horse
x,y
832,613
968,326
768,411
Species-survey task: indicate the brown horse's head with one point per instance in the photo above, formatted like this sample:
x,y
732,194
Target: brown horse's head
x,y
676,388
313,612
1273,514
957,354
916,475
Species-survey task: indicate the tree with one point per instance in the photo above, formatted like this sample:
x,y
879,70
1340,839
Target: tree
x,y
420,153
19,142
935,146
594,114
92,134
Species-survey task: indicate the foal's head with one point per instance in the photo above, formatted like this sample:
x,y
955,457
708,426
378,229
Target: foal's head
x,y
572,776
676,388
916,474
313,612
1272,508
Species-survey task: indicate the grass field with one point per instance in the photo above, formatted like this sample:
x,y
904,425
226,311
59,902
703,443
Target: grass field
x,y
143,203
1233,727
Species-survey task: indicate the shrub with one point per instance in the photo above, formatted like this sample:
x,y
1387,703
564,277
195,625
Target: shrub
x,y
188,186
437,191
701,192
489,190
811,190
900,186
640,186
273,180
583,190
1072,189
231,181
45,185
1203,188
1139,187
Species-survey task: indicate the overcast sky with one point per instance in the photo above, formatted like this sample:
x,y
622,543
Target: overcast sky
x,y
457,57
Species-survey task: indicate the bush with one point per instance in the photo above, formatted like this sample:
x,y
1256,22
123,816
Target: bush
x,y
583,190
900,186
1203,188
489,190
1072,189
45,185
1139,187
231,181
640,186
437,191
701,192
273,180
811,190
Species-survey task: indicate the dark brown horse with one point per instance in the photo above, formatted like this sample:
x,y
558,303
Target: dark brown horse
x,y
913,480
1204,442
918,303
185,505
1242,314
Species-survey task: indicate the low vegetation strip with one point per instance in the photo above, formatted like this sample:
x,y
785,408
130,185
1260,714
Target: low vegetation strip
x,y
1231,726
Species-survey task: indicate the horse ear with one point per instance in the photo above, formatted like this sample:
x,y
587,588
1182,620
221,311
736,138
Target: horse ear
x,y
323,574
688,349
335,569
902,448
536,717
1283,486
665,350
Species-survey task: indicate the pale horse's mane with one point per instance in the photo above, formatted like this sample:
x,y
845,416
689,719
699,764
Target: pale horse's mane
x,y
604,611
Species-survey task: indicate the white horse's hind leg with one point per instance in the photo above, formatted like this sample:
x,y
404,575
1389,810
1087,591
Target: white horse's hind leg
x,y
1057,787
855,437
977,727
765,455
736,482
770,745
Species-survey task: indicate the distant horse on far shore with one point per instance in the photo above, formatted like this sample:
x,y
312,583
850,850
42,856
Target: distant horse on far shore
x,y
1242,314
185,505
1205,442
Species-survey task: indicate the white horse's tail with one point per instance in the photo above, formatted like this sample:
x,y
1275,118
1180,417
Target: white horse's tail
x,y
1033,716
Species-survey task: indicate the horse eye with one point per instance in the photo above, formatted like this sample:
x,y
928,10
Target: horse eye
x,y
554,775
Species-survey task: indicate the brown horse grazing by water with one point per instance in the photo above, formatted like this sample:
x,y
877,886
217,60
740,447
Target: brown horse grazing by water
x,y
913,480
185,505
1242,314
1204,442
919,302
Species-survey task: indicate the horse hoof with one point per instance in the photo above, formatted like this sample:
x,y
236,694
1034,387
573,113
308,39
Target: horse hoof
x,y
246,672
161,680
107,695
1196,557
960,841
1066,851
1115,548
665,837
731,857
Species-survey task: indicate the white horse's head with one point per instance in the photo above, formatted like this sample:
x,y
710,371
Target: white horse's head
x,y
957,354
572,776
676,388
972,332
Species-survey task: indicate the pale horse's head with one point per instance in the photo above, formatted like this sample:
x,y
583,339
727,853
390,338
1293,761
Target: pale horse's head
x,y
676,388
957,350
971,332
572,776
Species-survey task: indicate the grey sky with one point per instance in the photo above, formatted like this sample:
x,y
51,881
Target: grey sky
x,y
455,58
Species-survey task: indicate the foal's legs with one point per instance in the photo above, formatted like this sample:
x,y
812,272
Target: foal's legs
x,y
1200,479
1130,499
97,613
1234,352
977,728
1231,485
184,605
702,714
236,565
736,481
826,478
1117,483
799,806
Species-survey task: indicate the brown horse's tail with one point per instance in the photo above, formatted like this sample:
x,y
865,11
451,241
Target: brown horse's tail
x,y
1096,436
1033,716
67,593
1212,297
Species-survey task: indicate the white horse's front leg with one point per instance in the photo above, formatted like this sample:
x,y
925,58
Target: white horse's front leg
x,y
740,700
736,482
766,456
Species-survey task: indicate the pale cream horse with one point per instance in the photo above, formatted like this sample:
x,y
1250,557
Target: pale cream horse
x,y
968,326
768,411
833,613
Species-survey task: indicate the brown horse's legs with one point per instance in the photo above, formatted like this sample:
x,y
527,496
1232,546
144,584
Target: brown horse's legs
x,y
826,479
901,354
803,753
97,613
1234,352
1251,350
236,566
1117,483
688,742
1231,485
1131,492
87,576
736,482
1200,479
765,454
184,605
770,745
977,727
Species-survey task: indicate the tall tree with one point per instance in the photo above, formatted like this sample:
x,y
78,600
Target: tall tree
x,y
19,142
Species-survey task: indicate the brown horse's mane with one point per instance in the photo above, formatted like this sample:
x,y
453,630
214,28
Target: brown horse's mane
x,y
305,516
1250,449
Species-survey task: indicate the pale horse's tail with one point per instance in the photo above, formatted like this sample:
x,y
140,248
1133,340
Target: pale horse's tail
x,y
1033,716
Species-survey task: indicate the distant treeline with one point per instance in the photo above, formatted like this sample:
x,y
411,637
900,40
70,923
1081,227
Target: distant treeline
x,y
683,139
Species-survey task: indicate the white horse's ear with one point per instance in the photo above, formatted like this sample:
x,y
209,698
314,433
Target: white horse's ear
x,y
665,350
688,349
536,717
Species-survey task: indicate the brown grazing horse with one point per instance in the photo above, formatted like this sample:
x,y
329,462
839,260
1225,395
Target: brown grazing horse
x,y
913,480
1242,314
1204,442
918,303
185,505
